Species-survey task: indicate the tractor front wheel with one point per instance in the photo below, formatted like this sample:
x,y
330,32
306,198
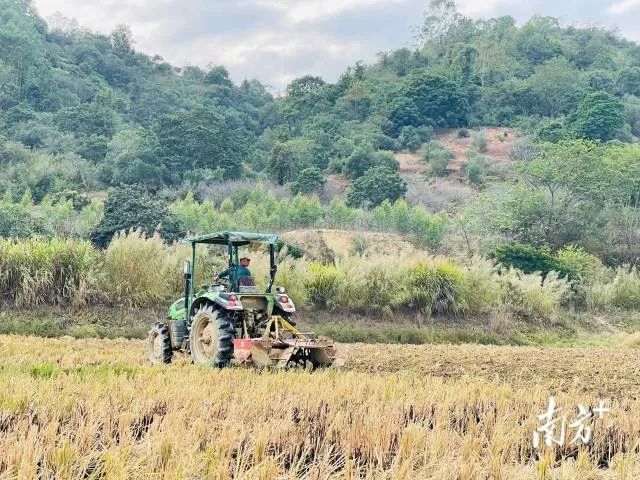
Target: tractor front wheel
x,y
211,337
159,344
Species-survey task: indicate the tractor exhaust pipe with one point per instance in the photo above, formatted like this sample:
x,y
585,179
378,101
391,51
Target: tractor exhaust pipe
x,y
186,270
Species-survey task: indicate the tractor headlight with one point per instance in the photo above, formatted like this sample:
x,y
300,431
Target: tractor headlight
x,y
280,290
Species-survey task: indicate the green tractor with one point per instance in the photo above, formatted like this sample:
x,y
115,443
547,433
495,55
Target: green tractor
x,y
232,321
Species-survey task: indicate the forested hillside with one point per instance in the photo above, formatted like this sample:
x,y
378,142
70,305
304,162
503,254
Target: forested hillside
x,y
85,118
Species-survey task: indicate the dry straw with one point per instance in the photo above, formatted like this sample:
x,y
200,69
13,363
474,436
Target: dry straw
x,y
93,409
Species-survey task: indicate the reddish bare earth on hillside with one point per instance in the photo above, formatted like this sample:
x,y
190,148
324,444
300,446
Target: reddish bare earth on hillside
x,y
439,193
336,186
499,144
412,162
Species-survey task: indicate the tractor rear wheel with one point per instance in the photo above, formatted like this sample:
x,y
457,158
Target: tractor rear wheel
x,y
211,337
159,344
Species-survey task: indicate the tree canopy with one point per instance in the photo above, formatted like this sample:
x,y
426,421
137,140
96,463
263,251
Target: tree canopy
x,y
88,113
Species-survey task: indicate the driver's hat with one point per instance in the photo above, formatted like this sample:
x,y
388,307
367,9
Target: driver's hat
x,y
245,258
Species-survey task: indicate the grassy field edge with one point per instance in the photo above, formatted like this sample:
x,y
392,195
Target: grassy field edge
x,y
570,330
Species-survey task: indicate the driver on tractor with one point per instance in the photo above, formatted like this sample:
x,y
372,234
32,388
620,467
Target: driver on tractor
x,y
240,271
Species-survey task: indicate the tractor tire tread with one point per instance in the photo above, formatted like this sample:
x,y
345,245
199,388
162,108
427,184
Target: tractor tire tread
x,y
224,327
162,330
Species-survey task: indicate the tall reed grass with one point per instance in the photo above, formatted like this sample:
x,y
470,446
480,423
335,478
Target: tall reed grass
x,y
144,271
57,271
621,289
137,271
533,295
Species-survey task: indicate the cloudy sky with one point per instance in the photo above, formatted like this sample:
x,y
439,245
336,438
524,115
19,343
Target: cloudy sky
x,y
278,40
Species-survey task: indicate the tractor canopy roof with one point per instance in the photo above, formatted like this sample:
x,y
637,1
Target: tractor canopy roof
x,y
236,238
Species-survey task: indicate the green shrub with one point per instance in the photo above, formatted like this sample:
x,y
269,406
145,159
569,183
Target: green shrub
x,y
371,290
286,249
552,131
130,207
437,289
463,133
324,285
17,220
479,141
570,262
78,200
526,258
359,162
476,168
375,186
438,158
42,370
434,231
578,265
336,165
439,166
308,180
622,291
409,138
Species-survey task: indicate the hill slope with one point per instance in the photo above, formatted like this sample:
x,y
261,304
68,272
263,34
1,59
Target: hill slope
x,y
103,114
322,244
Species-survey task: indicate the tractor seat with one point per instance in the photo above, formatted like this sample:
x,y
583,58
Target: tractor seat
x,y
247,285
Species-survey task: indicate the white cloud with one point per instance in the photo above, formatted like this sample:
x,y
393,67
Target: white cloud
x,y
281,44
284,45
623,7
481,8
104,15
274,58
301,11
278,40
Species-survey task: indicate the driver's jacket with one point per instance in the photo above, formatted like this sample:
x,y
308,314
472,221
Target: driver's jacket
x,y
239,271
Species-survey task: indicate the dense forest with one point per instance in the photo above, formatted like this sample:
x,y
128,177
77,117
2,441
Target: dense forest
x,y
96,137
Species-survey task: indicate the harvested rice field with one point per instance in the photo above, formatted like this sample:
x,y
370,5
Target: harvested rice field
x,y
94,409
